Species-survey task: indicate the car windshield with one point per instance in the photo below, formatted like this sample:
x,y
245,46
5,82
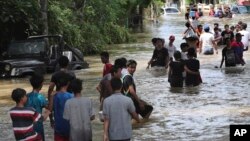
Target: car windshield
x,y
28,47
171,10
242,9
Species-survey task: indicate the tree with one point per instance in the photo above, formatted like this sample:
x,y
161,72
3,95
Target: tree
x,y
86,24
18,19
44,17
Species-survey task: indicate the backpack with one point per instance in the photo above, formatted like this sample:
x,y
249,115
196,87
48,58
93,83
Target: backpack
x,y
230,57
125,92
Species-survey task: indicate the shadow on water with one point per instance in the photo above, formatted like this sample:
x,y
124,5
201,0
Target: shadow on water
x,y
201,113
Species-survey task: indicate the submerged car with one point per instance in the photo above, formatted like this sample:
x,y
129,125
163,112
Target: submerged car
x,y
38,54
239,9
170,10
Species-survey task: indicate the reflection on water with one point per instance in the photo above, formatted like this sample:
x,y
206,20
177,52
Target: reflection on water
x,y
199,113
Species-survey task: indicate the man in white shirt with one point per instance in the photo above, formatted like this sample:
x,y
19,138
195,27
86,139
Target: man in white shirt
x,y
170,46
194,22
207,43
217,36
245,36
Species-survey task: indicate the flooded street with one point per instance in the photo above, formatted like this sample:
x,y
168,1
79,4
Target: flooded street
x,y
201,113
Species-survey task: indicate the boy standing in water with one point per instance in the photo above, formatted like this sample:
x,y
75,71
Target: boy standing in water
x,y
228,55
184,48
176,69
107,65
23,118
117,111
129,89
62,127
106,68
193,65
79,112
37,101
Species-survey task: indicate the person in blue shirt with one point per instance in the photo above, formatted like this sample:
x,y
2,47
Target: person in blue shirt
x,y
62,126
37,101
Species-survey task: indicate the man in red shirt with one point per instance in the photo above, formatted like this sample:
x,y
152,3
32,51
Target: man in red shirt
x,y
105,60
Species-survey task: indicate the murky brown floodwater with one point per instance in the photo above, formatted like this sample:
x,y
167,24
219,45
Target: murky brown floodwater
x,y
202,113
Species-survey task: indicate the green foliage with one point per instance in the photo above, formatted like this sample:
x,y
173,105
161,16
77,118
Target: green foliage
x,y
86,24
117,34
16,13
157,6
93,38
188,2
61,21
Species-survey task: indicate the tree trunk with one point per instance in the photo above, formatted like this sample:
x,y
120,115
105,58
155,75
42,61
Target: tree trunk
x,y
152,12
44,16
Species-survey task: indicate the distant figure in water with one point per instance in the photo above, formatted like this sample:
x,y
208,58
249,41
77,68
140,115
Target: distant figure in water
x,y
228,55
211,12
238,48
171,47
187,14
245,36
200,12
207,43
184,47
227,34
191,37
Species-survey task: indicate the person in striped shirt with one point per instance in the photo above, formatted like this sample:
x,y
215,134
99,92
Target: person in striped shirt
x,y
23,117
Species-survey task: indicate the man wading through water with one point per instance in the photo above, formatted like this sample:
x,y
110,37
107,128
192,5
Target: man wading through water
x,y
160,56
129,89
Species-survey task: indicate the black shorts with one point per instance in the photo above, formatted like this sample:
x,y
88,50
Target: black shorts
x,y
148,108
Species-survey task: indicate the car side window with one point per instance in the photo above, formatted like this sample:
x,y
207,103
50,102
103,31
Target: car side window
x,y
168,10
174,11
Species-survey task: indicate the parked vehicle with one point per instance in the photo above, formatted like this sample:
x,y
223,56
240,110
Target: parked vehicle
x,y
38,54
239,9
170,10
